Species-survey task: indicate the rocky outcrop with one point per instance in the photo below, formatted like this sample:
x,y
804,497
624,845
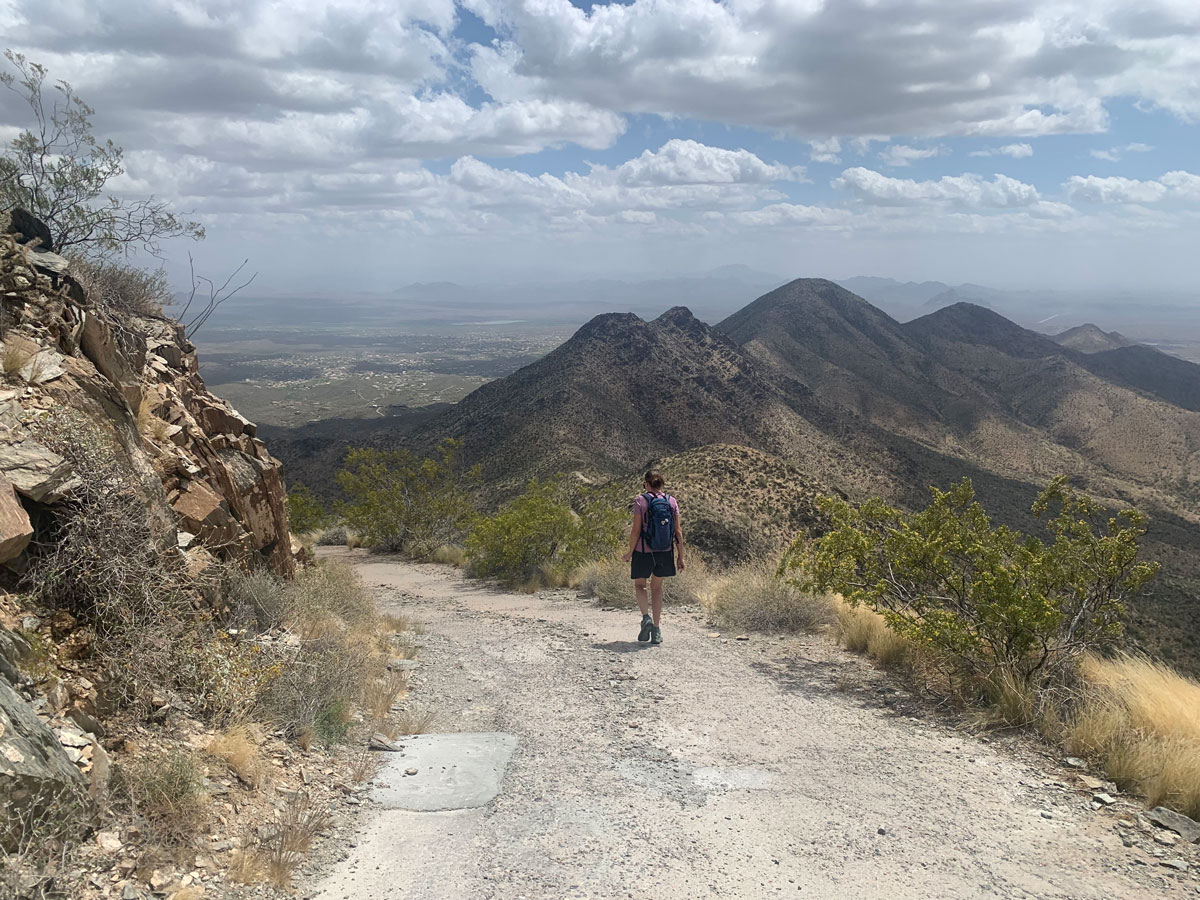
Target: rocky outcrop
x,y
199,465
37,777
15,528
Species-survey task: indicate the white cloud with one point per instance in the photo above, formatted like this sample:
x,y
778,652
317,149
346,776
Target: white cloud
x,y
1014,151
903,155
826,151
1019,68
1114,154
876,189
690,162
1176,185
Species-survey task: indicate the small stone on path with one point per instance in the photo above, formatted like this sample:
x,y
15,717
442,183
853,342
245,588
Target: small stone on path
x,y
1075,762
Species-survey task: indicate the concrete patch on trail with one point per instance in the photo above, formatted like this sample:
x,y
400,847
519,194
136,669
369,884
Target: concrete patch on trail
x,y
436,772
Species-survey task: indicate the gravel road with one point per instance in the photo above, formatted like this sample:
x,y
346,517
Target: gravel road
x,y
711,767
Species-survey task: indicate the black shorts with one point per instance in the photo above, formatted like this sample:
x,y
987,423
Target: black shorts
x,y
643,565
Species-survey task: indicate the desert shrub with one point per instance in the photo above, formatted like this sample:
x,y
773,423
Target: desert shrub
x,y
334,536
401,502
1141,721
754,597
255,598
319,680
306,512
167,791
609,582
120,287
36,842
104,561
982,597
333,588
539,535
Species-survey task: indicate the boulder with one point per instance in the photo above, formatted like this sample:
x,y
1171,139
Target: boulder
x,y
1186,828
98,344
201,510
15,528
27,228
35,471
36,777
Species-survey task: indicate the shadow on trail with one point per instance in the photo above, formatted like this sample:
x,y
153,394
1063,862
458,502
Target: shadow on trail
x,y
621,646
871,689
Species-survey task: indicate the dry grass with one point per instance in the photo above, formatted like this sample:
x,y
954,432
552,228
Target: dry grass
x,y
449,555
412,721
168,792
148,421
1141,721
862,630
237,748
753,597
382,693
275,856
609,582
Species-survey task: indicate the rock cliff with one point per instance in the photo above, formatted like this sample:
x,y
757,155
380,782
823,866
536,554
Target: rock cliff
x,y
203,472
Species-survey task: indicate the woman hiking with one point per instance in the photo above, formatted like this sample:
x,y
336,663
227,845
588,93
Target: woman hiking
x,y
655,551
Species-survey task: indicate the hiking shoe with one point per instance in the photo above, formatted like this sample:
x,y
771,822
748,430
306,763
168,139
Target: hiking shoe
x,y
655,634
647,628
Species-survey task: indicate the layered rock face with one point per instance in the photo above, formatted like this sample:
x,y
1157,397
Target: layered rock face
x,y
208,481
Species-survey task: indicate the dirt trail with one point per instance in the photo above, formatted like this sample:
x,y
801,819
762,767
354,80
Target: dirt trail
x,y
705,768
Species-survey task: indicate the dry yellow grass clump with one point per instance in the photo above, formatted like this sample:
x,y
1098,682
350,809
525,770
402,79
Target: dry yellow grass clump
x,y
862,630
238,749
753,597
1141,720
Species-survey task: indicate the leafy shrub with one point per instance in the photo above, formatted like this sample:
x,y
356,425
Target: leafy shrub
x,y
983,597
609,582
401,502
305,511
539,535
754,597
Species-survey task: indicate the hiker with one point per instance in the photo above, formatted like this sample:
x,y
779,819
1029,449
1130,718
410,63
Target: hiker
x,y
655,551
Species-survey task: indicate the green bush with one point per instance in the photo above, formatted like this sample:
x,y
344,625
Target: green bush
x,y
985,598
541,534
403,502
305,511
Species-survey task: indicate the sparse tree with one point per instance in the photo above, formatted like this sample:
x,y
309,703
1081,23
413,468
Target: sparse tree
x,y
57,170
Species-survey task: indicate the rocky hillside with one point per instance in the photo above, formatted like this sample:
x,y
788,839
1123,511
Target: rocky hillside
x,y
123,485
195,461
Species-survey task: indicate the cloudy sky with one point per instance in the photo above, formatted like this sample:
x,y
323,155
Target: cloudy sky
x,y
365,144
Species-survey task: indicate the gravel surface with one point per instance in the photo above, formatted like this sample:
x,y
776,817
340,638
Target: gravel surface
x,y
714,767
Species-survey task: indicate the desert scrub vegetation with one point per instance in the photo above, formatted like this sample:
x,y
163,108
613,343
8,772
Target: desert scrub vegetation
x,y
608,581
400,502
862,630
541,537
306,512
167,793
755,597
1140,720
982,598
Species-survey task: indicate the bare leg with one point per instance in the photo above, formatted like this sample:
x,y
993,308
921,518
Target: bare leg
x,y
639,587
656,592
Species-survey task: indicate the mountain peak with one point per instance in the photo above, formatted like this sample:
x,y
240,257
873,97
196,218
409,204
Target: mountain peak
x,y
1089,338
970,323
678,317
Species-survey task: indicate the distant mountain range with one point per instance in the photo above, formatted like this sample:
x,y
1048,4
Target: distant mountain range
x,y
849,399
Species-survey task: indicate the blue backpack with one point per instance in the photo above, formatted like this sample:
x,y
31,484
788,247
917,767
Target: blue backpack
x,y
658,524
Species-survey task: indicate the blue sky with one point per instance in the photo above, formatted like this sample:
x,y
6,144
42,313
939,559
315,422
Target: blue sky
x,y
370,143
